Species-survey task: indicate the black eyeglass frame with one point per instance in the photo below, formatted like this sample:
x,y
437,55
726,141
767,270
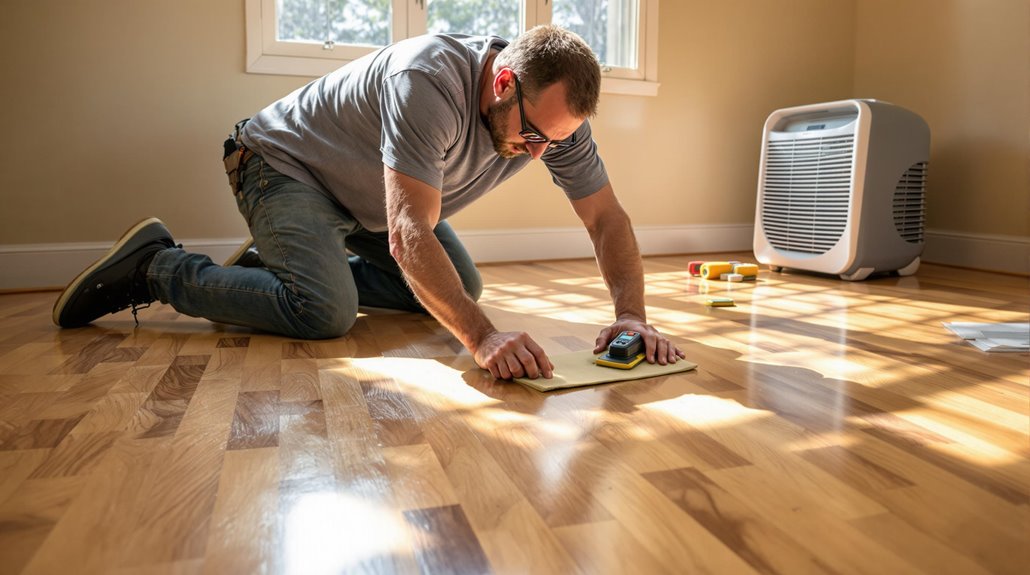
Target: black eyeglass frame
x,y
530,133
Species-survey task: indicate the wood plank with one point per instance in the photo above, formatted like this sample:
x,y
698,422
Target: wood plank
x,y
40,433
226,364
826,534
968,519
95,352
926,553
164,409
1010,487
547,476
304,448
608,547
176,501
76,455
244,532
668,534
108,498
418,480
93,386
520,542
16,466
28,516
256,422
299,380
445,542
394,422
763,545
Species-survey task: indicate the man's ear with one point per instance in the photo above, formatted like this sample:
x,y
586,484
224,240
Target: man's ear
x,y
504,82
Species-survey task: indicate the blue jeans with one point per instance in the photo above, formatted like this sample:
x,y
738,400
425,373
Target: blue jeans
x,y
310,288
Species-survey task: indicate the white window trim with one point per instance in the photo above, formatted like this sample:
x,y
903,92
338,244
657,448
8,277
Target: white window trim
x,y
265,55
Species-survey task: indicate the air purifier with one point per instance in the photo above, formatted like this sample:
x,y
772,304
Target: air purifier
x,y
841,189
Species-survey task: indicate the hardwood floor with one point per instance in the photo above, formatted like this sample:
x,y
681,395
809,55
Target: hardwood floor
x,y
831,427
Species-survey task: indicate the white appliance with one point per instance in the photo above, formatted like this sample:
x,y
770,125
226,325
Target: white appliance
x,y
841,189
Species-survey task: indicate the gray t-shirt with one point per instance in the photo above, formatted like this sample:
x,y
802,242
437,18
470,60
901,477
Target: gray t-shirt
x,y
413,106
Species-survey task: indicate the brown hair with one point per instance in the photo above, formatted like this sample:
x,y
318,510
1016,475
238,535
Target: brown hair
x,y
548,54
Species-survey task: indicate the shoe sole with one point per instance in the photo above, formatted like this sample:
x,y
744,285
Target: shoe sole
x,y
238,254
73,286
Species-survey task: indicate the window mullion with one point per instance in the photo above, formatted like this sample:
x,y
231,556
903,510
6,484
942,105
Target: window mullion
x,y
414,18
329,39
537,12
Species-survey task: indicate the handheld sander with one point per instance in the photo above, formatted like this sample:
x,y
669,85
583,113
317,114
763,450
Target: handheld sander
x,y
624,352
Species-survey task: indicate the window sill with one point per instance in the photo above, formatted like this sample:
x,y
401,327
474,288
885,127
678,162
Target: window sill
x,y
629,87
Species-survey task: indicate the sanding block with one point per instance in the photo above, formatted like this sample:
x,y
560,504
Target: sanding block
x,y
624,352
720,302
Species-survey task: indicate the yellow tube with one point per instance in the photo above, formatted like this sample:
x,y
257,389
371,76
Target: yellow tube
x,y
746,269
712,270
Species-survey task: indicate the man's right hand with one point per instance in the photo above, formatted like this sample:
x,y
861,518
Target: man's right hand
x,y
508,355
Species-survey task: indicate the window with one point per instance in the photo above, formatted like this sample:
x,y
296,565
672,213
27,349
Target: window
x,y
314,37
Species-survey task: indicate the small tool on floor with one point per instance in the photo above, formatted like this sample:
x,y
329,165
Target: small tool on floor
x,y
720,302
624,352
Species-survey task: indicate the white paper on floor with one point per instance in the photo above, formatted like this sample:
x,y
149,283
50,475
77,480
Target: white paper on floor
x,y
1014,336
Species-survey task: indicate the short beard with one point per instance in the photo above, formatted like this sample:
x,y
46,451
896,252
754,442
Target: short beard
x,y
497,120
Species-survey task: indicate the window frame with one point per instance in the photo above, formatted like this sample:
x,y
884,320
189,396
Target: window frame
x,y
267,55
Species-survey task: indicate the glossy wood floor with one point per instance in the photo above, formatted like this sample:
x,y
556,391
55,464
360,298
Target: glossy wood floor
x,y
831,427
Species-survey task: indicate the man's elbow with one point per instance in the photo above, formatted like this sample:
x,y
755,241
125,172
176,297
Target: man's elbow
x,y
398,246
403,240
613,221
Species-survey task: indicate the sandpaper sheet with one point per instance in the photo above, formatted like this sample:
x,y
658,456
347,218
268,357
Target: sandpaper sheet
x,y
578,369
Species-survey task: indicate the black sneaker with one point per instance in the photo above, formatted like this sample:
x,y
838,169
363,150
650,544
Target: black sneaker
x,y
116,281
245,256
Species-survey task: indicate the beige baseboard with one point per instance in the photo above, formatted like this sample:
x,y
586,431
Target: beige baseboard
x,y
565,243
39,266
1010,254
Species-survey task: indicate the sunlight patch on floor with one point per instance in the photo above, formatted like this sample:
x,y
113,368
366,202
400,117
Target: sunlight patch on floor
x,y
583,282
833,439
967,447
426,378
558,430
328,532
816,360
712,412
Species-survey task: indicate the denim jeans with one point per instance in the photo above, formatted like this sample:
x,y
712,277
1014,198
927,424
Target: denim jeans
x,y
310,288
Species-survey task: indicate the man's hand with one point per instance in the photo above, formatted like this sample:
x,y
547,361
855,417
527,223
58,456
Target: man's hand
x,y
657,347
513,354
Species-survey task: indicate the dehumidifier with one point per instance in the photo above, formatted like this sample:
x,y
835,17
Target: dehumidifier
x,y
841,189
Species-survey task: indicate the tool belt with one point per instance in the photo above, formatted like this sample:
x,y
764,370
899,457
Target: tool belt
x,y
235,157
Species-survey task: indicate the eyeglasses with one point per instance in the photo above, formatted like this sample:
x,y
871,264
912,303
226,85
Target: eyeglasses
x,y
529,132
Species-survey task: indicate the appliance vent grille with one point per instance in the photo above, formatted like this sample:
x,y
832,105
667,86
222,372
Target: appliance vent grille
x,y
910,204
807,192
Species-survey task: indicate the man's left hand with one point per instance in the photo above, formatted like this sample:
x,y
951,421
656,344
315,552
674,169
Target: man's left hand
x,y
657,347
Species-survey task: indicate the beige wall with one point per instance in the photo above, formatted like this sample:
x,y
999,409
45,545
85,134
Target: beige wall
x,y
964,65
115,109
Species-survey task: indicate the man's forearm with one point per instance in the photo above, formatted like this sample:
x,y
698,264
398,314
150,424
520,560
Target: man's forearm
x,y
413,209
435,282
618,258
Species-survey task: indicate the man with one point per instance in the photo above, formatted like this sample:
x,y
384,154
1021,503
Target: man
x,y
372,159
